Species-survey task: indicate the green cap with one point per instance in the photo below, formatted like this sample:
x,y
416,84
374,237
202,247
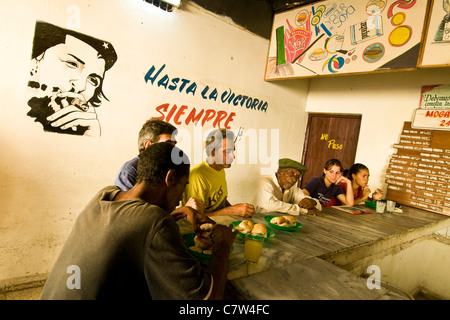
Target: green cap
x,y
289,163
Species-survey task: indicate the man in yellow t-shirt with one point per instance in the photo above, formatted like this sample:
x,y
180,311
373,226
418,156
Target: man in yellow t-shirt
x,y
207,181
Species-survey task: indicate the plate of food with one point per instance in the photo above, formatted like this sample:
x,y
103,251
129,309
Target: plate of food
x,y
285,223
200,244
255,229
202,255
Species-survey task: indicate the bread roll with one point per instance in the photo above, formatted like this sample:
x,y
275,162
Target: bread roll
x,y
195,249
290,221
206,227
259,230
245,226
277,220
203,243
206,230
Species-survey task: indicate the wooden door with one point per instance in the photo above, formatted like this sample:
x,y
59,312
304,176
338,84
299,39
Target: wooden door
x,y
329,136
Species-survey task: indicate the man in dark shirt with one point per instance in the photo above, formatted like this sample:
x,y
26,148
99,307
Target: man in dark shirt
x,y
152,131
125,245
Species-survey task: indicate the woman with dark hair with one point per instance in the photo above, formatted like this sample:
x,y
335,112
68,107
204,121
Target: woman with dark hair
x,y
327,189
359,176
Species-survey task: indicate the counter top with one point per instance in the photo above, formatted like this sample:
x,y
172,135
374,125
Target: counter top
x,y
302,264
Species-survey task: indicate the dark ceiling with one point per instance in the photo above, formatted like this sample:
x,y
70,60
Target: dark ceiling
x,y
253,15
282,5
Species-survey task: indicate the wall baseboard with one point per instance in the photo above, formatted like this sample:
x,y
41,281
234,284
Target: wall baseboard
x,y
21,283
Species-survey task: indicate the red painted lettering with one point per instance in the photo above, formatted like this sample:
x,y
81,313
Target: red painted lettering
x,y
162,107
179,113
230,118
209,114
171,112
193,118
220,116
176,115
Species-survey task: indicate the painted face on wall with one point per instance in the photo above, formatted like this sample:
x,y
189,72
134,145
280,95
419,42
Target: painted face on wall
x,y
67,72
73,66
68,75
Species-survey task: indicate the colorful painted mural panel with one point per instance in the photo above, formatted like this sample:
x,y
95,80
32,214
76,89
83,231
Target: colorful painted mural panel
x,y
343,37
436,51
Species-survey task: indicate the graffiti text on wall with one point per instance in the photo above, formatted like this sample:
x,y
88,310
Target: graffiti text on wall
x,y
184,113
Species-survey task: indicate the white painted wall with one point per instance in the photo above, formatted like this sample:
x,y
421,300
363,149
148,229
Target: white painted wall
x,y
423,265
47,178
385,101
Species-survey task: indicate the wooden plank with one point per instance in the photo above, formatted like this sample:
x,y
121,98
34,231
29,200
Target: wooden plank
x,y
418,174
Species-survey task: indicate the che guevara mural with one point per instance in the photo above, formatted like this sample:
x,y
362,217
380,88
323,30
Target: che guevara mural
x,y
66,79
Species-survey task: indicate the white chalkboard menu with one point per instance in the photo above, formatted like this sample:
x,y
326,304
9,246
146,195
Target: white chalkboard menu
x,y
418,175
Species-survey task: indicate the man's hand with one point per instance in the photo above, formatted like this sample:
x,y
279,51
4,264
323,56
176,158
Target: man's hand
x,y
75,112
195,218
314,212
307,203
223,235
245,210
196,204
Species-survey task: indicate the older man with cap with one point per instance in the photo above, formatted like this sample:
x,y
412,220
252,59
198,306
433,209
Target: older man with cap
x,y
280,193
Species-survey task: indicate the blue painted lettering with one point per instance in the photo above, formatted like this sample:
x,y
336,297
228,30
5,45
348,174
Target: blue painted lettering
x,y
190,87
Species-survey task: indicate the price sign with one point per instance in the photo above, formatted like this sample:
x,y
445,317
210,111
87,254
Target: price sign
x,y
435,119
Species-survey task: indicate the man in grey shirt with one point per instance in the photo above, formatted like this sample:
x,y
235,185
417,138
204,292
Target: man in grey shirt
x,y
126,245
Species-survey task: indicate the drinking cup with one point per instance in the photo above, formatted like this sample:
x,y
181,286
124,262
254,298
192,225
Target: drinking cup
x,y
390,206
380,206
252,248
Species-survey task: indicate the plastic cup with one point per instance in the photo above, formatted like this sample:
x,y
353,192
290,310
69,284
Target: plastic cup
x,y
390,206
252,248
380,206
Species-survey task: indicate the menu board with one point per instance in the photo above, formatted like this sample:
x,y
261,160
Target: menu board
x,y
418,175
346,36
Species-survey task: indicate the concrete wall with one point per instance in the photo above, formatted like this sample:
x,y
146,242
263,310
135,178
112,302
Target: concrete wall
x,y
48,177
422,266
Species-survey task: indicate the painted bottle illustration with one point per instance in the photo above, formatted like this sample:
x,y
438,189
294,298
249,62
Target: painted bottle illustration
x,y
366,30
297,40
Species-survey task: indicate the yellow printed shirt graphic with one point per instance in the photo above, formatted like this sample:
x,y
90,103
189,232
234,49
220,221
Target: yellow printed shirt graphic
x,y
208,185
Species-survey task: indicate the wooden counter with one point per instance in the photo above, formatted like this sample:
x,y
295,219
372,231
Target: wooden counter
x,y
304,264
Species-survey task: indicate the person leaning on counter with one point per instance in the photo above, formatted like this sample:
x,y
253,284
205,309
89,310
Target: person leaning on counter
x,y
280,193
326,188
359,174
207,181
125,245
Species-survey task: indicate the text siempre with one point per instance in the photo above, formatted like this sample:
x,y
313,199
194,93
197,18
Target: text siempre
x,y
186,114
